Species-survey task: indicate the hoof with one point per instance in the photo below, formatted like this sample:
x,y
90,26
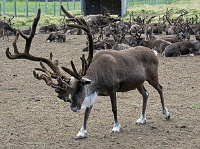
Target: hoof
x,y
116,128
167,117
141,123
166,114
142,120
116,131
81,134
80,137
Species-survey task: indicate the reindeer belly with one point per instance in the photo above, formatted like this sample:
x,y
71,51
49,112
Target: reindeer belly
x,y
128,85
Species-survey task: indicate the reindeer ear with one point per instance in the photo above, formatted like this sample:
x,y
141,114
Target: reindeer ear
x,y
86,81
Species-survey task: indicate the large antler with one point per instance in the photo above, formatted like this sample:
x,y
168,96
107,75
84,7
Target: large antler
x,y
48,76
80,23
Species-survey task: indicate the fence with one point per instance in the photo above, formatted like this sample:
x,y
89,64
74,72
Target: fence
x,y
150,2
29,8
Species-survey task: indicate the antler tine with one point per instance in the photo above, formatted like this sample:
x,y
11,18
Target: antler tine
x,y
65,12
48,80
84,65
28,39
25,54
14,43
32,34
83,25
45,70
73,73
78,76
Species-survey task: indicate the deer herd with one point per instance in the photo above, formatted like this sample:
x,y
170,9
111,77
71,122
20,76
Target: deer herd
x,y
126,57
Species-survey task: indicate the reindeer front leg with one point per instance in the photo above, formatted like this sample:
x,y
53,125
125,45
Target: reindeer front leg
x,y
145,94
83,132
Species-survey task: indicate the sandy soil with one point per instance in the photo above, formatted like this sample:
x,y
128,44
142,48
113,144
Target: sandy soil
x,y
31,116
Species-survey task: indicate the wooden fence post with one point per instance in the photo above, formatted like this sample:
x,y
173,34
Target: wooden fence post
x,y
54,8
0,9
15,9
26,9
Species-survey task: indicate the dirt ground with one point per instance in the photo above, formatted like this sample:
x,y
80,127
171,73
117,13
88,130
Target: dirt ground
x,y
31,116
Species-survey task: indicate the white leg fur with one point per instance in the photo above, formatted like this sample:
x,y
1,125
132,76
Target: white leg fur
x,y
81,134
142,120
166,113
116,128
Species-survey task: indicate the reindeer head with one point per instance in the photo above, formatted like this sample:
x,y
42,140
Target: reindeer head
x,y
78,86
62,84
79,83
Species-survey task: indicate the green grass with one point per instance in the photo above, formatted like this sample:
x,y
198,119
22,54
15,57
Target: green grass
x,y
197,106
48,17
50,8
191,6
150,2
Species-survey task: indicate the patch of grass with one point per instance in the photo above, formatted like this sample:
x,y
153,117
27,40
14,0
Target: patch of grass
x,y
197,106
139,9
191,6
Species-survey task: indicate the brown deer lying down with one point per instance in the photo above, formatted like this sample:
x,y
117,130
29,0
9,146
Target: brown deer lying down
x,y
104,74
57,36
190,47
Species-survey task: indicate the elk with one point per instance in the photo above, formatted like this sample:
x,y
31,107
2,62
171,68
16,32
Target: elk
x,y
102,74
109,72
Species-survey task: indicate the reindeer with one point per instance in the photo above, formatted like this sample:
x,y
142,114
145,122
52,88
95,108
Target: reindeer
x,y
149,31
108,72
149,28
49,28
57,36
26,31
190,47
106,43
102,74
4,28
157,44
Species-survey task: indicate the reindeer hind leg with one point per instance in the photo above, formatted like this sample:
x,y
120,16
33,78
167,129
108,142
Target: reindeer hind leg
x,y
158,87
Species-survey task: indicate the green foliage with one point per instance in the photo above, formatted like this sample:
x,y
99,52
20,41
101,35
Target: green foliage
x,y
20,22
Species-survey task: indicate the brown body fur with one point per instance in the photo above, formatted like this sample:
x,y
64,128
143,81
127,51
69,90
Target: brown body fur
x,y
122,70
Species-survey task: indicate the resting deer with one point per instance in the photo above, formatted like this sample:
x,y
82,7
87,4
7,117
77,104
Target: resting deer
x,y
104,73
